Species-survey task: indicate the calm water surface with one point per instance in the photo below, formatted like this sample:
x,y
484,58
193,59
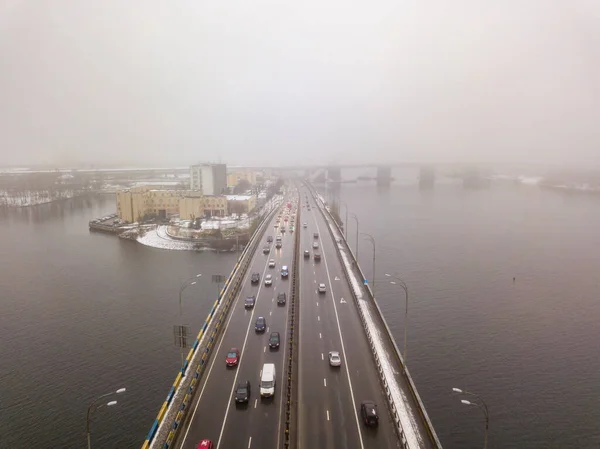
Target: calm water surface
x,y
83,313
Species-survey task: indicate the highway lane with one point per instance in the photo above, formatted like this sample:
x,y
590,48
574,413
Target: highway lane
x,y
214,414
342,318
326,412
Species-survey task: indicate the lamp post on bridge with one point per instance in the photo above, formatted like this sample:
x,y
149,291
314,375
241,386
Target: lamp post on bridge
x,y
481,405
370,238
181,336
356,218
92,408
403,286
346,223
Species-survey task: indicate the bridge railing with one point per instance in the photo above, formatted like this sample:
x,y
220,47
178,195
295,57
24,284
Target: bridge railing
x,y
173,411
393,408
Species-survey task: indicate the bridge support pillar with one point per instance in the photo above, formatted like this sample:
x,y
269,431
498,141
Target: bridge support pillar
x,y
384,176
427,177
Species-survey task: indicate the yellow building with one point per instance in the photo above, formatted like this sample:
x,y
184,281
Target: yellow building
x,y
235,177
241,204
140,203
192,207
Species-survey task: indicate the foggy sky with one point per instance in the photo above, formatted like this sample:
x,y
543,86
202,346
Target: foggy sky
x,y
148,82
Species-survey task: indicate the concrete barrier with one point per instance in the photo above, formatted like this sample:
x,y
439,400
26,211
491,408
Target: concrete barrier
x,y
173,410
392,407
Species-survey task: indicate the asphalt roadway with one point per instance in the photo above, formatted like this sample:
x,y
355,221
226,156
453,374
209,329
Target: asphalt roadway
x,y
330,397
215,416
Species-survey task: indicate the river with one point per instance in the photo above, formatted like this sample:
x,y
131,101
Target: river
x,y
85,313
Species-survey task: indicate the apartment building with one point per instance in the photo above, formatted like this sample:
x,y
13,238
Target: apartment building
x,y
210,179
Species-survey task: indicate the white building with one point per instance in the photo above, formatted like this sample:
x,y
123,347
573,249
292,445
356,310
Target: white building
x,y
210,179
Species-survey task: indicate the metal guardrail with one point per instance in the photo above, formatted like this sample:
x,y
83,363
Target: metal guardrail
x,y
180,392
289,439
384,382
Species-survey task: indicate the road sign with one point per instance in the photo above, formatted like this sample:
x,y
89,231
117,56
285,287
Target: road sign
x,y
342,301
366,282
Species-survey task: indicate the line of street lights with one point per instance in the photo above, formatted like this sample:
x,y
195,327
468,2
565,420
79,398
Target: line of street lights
x,y
186,284
92,408
481,405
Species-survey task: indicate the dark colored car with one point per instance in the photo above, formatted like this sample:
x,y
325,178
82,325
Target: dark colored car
x,y
266,250
261,324
274,340
233,357
281,298
242,392
255,279
307,254
250,301
369,413
317,257
316,235
269,239
278,245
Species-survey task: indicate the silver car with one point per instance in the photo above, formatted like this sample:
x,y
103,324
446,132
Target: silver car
x,y
315,245
322,288
272,263
335,359
268,279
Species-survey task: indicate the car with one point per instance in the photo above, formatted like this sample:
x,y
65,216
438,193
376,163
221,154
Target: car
x,y
269,279
316,245
205,444
233,357
249,302
274,340
316,235
255,278
317,257
334,358
284,271
276,225
306,254
305,225
322,288
261,324
283,230
278,245
266,250
369,413
272,263
281,298
270,239
242,392
285,219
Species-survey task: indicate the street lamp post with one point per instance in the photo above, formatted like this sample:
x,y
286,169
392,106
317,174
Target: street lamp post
x,y
346,223
186,284
481,405
403,286
372,240
356,218
92,408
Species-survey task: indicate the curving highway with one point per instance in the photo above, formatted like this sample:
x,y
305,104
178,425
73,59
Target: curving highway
x,y
215,416
330,397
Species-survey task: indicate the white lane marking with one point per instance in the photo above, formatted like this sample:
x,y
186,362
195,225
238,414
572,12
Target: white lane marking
x,y
324,382
328,419
267,329
231,314
320,335
317,303
337,318
318,318
315,281
265,349
270,313
273,300
249,442
255,402
322,356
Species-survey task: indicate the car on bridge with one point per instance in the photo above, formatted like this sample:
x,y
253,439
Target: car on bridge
x,y
274,340
305,225
272,263
278,245
233,357
266,250
281,298
369,413
317,257
255,278
269,239
307,254
261,324
284,271
322,288
269,279
334,358
316,235
316,245
205,444
242,392
249,302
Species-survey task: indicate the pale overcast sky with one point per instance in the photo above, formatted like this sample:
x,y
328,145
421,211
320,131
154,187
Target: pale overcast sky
x,y
148,82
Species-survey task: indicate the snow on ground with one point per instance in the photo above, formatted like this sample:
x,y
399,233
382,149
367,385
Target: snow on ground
x,y
158,238
400,397
33,197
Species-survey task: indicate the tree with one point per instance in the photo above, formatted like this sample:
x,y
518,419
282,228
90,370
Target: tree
x,y
243,186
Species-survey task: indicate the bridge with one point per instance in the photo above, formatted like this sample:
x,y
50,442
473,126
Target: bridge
x,y
315,405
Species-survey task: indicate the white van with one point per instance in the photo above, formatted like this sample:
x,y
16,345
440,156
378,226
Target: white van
x,y
267,380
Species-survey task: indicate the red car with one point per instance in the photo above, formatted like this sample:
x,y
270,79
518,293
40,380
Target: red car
x,y
205,444
233,357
